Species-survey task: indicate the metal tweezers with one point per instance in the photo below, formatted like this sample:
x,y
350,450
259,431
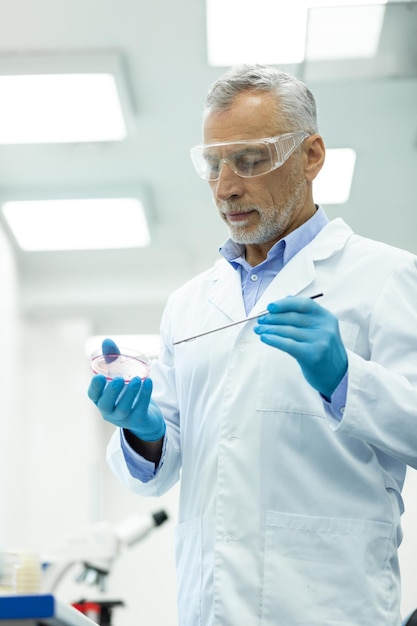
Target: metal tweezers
x,y
246,319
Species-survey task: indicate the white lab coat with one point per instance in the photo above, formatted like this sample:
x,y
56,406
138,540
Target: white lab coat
x,y
287,518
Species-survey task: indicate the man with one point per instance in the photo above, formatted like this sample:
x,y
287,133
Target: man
x,y
291,432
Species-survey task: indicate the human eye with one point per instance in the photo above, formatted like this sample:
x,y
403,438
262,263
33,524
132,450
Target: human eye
x,y
212,164
251,160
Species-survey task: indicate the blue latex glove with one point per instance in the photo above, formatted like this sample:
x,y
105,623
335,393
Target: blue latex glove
x,y
309,333
129,405
109,350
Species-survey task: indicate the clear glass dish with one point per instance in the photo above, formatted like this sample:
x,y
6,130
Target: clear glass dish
x,y
127,365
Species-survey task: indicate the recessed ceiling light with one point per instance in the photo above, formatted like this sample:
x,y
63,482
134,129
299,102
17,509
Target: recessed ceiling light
x,y
77,224
330,29
276,31
60,108
60,98
333,183
270,31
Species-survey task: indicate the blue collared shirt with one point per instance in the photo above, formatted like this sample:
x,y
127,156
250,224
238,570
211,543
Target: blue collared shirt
x,y
256,279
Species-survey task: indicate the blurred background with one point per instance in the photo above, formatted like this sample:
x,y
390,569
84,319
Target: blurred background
x,y
100,101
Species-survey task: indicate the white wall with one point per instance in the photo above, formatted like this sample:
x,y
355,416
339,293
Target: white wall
x,y
8,370
54,479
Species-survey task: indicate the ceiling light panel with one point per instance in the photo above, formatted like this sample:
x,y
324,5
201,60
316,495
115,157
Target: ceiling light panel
x,y
334,181
344,33
62,98
77,224
276,31
268,31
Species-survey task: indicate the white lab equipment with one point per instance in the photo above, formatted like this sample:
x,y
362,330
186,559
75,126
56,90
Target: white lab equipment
x,y
97,547
8,562
35,609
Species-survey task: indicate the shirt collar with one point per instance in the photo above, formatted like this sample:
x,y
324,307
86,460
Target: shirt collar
x,y
234,252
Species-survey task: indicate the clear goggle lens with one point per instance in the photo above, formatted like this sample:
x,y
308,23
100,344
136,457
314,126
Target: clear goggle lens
x,y
247,158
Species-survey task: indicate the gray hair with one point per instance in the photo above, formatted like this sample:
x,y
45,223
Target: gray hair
x,y
294,99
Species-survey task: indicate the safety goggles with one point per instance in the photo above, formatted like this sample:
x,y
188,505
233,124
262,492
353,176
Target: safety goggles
x,y
246,158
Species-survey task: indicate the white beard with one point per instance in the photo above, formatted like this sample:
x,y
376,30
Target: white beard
x,y
273,221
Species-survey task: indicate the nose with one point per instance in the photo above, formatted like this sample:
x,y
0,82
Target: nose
x,y
229,184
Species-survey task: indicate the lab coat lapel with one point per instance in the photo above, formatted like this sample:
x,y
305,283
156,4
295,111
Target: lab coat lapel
x,y
226,291
300,272
294,278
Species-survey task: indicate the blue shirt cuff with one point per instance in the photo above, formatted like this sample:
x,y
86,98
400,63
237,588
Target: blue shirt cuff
x,y
138,466
337,402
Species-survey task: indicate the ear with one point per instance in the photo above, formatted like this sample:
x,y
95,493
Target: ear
x,y
315,150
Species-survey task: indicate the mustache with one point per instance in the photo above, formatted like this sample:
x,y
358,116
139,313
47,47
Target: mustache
x,y
234,207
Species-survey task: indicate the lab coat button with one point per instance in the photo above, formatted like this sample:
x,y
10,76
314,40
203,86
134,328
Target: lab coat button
x,y
227,539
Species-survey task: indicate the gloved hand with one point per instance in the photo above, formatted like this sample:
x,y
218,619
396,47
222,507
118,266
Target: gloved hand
x,y
309,333
129,405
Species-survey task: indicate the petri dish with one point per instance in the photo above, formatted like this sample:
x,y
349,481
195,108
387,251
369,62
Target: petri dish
x,y
127,365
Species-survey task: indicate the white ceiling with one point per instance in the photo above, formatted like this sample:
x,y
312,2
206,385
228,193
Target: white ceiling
x,y
369,106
